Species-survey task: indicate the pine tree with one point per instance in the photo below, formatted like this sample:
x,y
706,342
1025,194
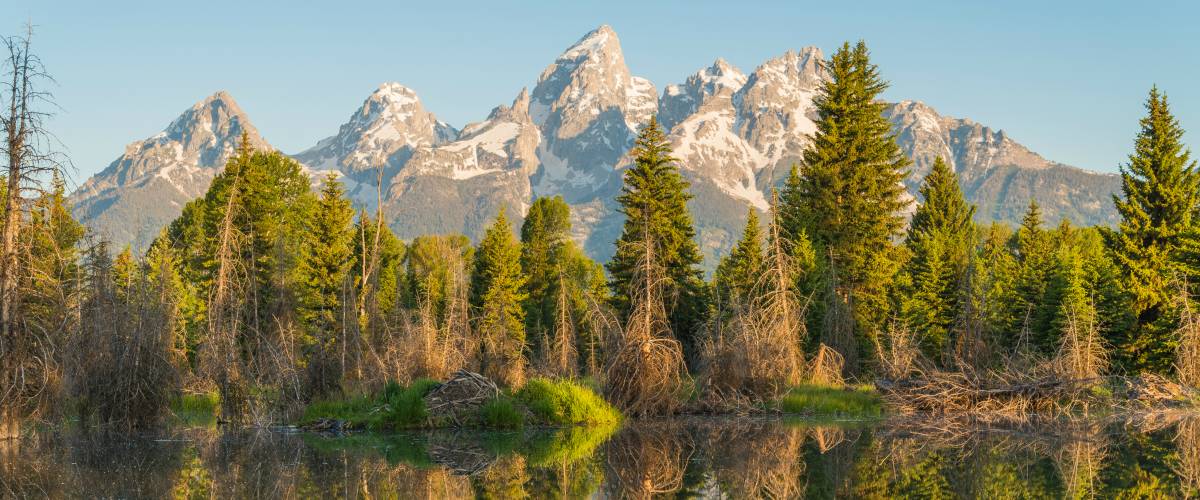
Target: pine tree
x,y
326,262
1157,206
1034,252
654,201
496,298
162,270
992,287
791,216
940,241
849,196
738,272
124,273
545,237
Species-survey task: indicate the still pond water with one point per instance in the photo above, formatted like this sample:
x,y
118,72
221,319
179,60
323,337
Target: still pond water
x,y
679,459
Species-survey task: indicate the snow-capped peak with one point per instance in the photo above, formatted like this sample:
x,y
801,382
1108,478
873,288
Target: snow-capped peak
x,y
390,119
597,40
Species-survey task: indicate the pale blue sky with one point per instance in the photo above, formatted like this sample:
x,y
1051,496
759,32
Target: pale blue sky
x,y
1065,78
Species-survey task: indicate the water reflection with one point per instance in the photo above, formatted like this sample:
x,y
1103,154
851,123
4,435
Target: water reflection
x,y
1150,458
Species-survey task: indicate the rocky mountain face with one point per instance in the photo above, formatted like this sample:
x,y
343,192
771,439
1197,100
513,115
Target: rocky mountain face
x,y
736,136
144,189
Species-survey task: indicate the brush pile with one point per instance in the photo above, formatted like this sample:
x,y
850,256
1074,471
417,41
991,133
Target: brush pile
x,y
460,396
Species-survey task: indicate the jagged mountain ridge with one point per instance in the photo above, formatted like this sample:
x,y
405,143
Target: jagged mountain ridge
x,y
736,135
144,189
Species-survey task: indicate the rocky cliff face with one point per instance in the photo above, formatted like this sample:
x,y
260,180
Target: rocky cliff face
x,y
144,189
736,136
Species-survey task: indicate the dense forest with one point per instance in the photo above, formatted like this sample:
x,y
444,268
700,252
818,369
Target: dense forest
x,y
275,296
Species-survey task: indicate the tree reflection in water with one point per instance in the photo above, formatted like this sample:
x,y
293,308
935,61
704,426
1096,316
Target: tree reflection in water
x,y
712,458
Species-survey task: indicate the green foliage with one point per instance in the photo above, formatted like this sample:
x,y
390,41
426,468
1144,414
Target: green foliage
x,y
860,401
848,197
196,408
496,298
940,240
550,260
405,406
431,264
1155,243
565,402
501,413
396,407
738,272
325,262
654,201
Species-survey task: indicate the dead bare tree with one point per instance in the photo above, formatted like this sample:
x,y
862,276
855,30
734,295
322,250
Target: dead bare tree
x,y
26,364
220,359
759,356
1187,354
560,356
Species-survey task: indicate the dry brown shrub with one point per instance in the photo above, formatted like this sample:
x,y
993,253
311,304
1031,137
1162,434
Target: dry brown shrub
x,y
826,367
759,355
425,344
898,353
123,368
560,356
1187,355
646,374
1081,355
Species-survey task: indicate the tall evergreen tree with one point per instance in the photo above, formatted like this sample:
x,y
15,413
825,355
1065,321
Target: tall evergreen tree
x,y
545,238
738,272
1034,250
940,241
849,195
1157,205
654,202
326,262
791,203
496,298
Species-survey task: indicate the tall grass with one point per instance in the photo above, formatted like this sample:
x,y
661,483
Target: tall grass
x,y
566,402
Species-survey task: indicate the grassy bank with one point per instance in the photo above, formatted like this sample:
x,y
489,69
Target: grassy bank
x,y
540,402
861,401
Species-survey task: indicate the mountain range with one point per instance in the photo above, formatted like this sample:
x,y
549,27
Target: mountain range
x,y
736,135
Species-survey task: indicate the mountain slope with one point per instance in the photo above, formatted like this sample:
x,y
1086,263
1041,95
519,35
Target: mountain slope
x,y
144,189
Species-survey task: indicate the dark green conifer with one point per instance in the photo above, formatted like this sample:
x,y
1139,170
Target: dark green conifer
x,y
849,195
739,272
654,201
1155,241
496,298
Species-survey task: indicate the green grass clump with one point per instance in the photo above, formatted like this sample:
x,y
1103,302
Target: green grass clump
x,y
196,408
353,410
501,413
396,407
405,406
859,401
566,403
